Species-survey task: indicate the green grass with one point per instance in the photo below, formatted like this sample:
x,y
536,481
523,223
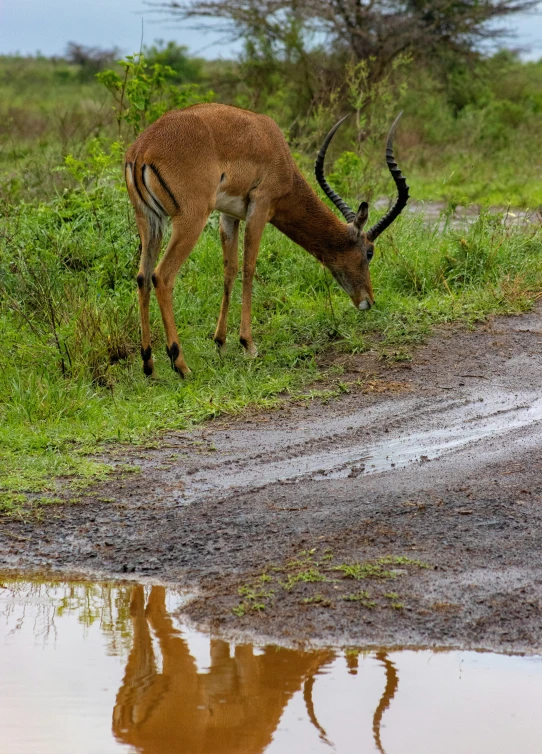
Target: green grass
x,y
317,599
362,598
477,179
71,381
312,574
377,570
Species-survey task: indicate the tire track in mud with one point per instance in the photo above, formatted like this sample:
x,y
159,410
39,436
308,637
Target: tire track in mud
x,y
485,426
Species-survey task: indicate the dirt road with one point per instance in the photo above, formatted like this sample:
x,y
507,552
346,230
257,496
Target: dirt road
x,y
407,512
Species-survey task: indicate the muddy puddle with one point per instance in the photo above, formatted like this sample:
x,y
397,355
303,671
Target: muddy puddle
x,y
99,668
463,215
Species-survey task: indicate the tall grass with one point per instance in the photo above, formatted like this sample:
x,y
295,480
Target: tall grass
x,y
72,376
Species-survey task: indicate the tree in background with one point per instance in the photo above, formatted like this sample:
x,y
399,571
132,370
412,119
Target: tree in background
x,y
185,68
299,55
377,29
91,60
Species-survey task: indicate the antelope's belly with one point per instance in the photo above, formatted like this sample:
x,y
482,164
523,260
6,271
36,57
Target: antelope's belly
x,y
236,206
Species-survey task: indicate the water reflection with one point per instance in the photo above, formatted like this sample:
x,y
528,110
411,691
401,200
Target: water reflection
x,y
109,668
392,683
234,707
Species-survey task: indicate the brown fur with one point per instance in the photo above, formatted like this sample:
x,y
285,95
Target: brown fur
x,y
209,156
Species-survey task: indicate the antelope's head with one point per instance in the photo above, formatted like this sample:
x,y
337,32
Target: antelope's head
x,y
350,268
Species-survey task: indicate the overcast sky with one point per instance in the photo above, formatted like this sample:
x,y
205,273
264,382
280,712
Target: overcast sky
x,y
27,26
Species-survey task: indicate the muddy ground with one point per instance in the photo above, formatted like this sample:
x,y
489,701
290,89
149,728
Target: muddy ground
x,y
437,461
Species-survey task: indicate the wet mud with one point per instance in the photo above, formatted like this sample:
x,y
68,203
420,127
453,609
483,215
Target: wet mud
x,y
462,215
424,481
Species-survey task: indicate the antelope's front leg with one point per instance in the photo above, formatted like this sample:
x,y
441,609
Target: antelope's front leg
x,y
255,223
229,236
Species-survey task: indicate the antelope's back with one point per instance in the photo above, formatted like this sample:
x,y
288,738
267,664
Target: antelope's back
x,y
194,147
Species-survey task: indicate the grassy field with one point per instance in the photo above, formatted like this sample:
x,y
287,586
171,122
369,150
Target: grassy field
x,y
71,378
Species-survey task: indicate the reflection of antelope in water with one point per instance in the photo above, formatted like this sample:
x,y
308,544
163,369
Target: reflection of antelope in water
x,y
235,707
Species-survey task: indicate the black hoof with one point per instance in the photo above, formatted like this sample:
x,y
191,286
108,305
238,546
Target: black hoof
x,y
173,354
146,356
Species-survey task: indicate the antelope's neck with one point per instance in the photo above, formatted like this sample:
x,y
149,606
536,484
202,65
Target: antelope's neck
x,y
304,218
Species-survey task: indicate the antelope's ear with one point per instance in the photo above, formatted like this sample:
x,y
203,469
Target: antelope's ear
x,y
361,216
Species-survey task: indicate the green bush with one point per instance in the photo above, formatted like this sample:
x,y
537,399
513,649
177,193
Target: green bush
x,y
143,92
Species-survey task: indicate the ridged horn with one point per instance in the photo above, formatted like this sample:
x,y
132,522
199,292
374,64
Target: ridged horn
x,y
324,185
402,188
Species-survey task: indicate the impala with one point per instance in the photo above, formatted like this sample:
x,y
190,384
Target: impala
x,y
190,162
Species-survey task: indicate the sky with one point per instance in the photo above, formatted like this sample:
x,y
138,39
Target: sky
x,y
27,26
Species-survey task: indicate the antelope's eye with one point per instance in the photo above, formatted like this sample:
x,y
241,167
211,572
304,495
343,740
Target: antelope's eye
x,y
370,253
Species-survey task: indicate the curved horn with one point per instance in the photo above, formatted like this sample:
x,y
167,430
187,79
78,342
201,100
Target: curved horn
x,y
319,173
402,188
392,684
307,696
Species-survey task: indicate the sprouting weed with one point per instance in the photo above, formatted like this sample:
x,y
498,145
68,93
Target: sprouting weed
x,y
307,577
362,598
318,599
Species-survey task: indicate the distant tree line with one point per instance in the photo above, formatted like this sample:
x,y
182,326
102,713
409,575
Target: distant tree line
x,y
299,54
361,29
93,60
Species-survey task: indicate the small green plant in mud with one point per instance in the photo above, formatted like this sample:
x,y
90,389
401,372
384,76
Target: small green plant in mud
x,y
304,558
402,560
48,500
362,598
255,599
19,505
360,571
310,576
12,503
313,567
377,569
395,603
318,600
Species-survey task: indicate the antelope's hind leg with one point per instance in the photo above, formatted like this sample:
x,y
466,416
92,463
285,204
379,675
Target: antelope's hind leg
x,y
186,230
229,237
150,235
257,216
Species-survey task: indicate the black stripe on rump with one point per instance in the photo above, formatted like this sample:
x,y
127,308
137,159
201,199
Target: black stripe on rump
x,y
138,189
153,197
164,185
